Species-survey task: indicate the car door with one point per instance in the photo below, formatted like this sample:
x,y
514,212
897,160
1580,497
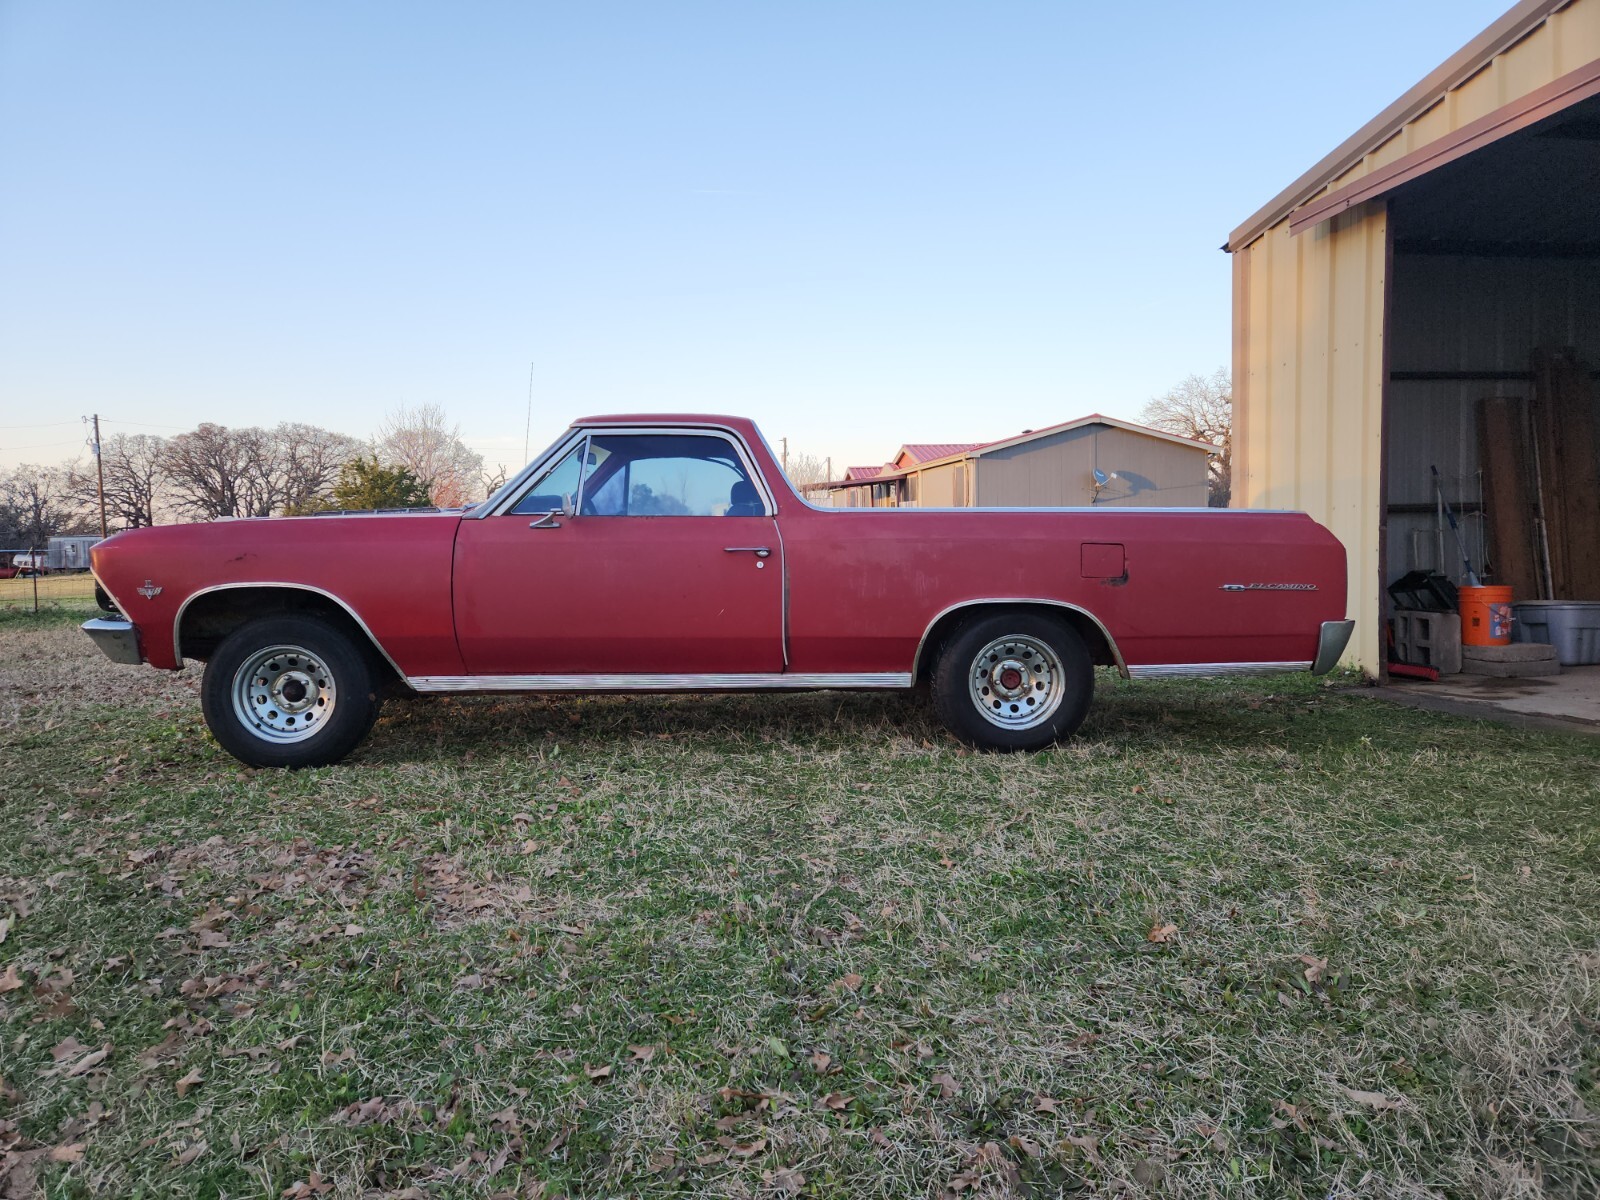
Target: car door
x,y
639,554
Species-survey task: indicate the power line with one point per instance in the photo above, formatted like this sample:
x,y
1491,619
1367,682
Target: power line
x,y
44,445
103,421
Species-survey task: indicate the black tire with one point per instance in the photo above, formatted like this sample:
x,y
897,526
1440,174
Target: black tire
x,y
1013,681
311,693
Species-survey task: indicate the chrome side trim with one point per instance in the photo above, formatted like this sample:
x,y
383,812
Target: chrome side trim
x,y
981,509
1203,670
583,473
1335,636
503,499
916,660
655,683
177,621
117,640
783,565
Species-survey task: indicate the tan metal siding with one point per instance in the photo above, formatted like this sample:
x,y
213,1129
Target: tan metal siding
x,y
937,489
1311,360
1566,41
1151,473
1046,473
1059,471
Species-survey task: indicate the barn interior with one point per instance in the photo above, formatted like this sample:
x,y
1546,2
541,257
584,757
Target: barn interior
x,y
1493,345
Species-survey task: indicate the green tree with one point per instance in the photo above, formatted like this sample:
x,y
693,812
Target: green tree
x,y
365,484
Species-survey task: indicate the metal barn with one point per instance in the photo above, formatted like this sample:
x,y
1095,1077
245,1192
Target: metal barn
x,y
1428,295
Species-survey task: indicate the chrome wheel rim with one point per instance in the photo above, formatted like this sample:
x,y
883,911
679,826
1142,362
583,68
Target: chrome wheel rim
x,y
284,694
1017,682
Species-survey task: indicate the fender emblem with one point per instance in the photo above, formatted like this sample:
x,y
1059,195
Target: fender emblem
x,y
1268,587
149,591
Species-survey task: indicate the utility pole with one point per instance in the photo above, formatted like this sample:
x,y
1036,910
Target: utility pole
x,y
785,442
828,470
100,475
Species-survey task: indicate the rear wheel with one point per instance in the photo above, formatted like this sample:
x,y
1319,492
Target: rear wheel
x,y
289,692
1013,681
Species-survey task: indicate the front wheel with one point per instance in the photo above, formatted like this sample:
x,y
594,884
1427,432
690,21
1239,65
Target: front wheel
x,y
1013,681
289,692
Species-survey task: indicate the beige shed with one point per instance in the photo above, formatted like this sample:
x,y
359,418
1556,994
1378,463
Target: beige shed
x,y
1400,306
1092,461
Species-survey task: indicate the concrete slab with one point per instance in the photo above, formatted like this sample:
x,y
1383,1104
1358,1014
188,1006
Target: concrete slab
x,y
1521,660
1511,652
1569,701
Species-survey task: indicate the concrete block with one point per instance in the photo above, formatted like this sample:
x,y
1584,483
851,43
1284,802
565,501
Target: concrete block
x,y
1429,639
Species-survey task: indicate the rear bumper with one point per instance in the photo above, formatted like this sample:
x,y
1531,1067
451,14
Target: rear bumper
x,y
1335,637
117,639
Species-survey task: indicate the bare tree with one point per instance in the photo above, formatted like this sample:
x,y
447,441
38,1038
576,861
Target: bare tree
x,y
806,469
220,472
1201,407
494,480
421,440
135,478
207,469
37,502
306,462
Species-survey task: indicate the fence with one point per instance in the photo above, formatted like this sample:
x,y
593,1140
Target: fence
x,y
55,589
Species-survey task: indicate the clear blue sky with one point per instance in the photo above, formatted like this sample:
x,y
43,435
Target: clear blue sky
x,y
861,223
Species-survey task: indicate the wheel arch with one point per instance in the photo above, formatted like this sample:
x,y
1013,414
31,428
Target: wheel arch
x,y
1101,645
210,614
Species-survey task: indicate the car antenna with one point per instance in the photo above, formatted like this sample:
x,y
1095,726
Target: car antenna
x,y
528,425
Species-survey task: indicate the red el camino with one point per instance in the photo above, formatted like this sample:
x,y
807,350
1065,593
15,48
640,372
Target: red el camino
x,y
670,554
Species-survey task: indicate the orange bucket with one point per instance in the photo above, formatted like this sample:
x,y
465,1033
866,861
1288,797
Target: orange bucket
x,y
1485,616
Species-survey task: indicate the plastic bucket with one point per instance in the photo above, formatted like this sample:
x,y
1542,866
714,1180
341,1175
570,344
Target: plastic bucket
x,y
1485,616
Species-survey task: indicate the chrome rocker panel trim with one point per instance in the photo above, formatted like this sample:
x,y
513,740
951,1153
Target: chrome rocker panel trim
x,y
1204,670
117,639
655,683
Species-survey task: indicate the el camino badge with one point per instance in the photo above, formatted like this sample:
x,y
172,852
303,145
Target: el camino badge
x,y
1268,587
149,591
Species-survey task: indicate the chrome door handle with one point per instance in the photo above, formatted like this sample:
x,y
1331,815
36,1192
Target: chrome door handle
x,y
758,551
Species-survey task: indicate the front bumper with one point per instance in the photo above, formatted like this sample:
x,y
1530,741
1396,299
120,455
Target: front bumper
x,y
1335,637
117,638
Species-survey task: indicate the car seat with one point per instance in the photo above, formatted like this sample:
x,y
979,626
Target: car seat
x,y
744,500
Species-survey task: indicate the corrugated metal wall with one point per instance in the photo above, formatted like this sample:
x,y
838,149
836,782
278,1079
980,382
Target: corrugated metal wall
x,y
1308,355
1469,315
1308,389
938,488
1058,471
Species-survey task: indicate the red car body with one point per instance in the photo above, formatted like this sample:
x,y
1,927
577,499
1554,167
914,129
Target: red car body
x,y
778,594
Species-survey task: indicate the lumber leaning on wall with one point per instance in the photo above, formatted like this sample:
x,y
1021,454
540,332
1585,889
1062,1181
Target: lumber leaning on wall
x,y
1509,493
1564,429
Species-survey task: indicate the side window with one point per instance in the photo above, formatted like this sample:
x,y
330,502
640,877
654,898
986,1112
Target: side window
x,y
557,488
667,475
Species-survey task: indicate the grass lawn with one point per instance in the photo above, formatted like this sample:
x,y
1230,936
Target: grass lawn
x,y
1255,938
